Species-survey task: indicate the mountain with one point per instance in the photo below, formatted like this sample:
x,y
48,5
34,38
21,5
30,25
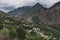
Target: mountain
x,y
46,15
35,10
19,10
52,16
28,12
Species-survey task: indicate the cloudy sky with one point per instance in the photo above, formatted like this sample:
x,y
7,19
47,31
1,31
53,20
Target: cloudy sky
x,y
8,5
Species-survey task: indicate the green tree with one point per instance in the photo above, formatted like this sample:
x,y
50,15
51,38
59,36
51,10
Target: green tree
x,y
1,26
36,19
20,33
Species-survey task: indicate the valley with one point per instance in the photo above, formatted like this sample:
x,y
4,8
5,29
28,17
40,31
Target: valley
x,y
31,23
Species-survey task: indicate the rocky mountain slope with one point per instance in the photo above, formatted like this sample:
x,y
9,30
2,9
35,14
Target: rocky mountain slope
x,y
46,15
52,15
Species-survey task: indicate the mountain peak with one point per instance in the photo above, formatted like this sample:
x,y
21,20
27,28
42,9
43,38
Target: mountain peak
x,y
38,4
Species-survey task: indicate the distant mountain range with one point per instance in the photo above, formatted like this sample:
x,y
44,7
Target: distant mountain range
x,y
46,15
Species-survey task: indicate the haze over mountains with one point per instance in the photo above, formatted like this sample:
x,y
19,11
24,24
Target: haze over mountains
x,y
46,15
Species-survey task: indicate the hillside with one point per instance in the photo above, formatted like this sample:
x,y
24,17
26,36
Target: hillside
x,y
15,29
52,16
31,23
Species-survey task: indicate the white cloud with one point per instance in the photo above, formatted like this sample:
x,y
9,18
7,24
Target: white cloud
x,y
20,3
48,3
17,3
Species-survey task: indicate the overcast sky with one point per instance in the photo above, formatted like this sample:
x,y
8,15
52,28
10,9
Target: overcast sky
x,y
8,5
